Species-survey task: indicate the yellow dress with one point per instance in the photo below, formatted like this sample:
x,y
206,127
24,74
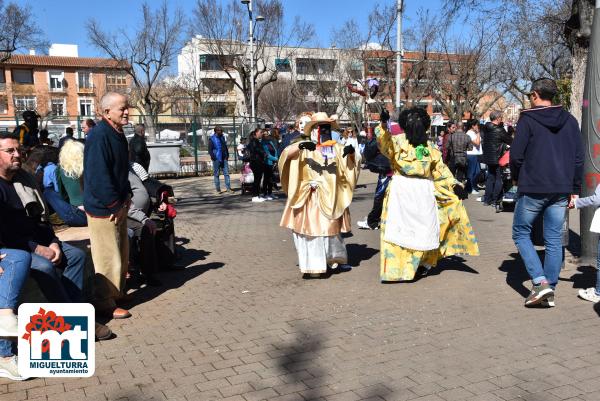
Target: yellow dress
x,y
456,233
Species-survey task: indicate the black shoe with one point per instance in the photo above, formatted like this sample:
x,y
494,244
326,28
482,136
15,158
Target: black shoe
x,y
153,281
499,207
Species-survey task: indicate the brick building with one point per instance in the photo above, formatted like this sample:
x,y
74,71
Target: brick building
x,y
62,87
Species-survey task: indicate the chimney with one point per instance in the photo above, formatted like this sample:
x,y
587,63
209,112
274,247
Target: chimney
x,y
32,52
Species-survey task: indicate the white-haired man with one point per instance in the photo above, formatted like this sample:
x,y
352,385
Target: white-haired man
x,y
106,199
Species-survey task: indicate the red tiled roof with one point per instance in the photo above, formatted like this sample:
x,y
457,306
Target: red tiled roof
x,y
56,61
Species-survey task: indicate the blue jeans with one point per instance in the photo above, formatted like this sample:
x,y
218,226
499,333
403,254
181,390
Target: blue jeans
x,y
473,170
65,287
217,168
15,267
493,185
553,207
71,215
598,270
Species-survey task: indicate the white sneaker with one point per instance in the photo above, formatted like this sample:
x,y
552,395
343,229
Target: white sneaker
x,y
589,294
474,192
480,199
258,199
363,225
269,197
9,369
8,325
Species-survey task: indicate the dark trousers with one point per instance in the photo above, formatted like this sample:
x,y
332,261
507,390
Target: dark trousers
x,y
459,171
493,185
267,187
258,170
143,247
374,217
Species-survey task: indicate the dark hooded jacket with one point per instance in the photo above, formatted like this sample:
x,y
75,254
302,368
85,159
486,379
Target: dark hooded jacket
x,y
546,155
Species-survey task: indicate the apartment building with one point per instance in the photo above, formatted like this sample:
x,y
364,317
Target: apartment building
x,y
62,87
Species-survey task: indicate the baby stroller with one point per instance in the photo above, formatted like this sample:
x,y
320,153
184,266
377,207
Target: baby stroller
x,y
247,178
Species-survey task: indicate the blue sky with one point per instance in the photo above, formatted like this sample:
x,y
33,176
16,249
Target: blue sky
x,y
64,20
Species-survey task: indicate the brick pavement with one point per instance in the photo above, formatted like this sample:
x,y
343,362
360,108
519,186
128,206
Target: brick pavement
x,y
239,323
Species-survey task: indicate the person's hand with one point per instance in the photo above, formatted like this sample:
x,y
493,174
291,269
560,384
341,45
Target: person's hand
x,y
460,191
348,150
384,117
572,201
119,216
162,207
57,253
308,145
45,252
81,208
151,225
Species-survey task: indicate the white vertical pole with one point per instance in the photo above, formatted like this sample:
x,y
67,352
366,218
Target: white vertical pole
x,y
252,61
399,51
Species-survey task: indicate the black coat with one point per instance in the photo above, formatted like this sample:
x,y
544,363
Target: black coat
x,y
495,139
256,151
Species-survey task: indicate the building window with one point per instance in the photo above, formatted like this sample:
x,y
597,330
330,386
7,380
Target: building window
x,y
23,103
214,62
57,106
2,80
377,66
283,65
314,66
217,86
219,109
437,107
22,76
57,80
86,107
116,82
84,80
182,107
3,105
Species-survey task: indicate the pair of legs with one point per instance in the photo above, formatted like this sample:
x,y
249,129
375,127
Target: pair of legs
x,y
553,207
473,170
267,187
71,215
374,216
219,166
493,185
258,170
110,253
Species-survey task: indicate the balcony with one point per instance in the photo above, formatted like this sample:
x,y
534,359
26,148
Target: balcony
x,y
89,90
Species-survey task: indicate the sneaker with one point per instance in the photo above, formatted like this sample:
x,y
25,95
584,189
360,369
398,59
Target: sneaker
x,y
363,225
217,192
9,325
474,192
539,293
269,197
230,190
548,302
9,369
258,199
480,199
589,294
274,196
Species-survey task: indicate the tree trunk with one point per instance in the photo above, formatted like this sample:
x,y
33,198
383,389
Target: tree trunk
x,y
577,83
149,125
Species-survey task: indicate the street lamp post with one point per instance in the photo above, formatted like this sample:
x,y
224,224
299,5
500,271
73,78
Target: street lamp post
x,y
252,23
399,51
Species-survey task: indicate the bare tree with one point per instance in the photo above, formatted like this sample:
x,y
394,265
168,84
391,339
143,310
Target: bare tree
x,y
145,56
19,30
277,102
224,29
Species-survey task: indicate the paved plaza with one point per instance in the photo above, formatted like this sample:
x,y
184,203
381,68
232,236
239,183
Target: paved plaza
x,y
240,324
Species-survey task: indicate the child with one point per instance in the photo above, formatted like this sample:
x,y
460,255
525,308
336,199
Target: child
x,y
590,294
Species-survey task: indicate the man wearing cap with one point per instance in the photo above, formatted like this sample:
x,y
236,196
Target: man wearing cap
x,y
318,175
27,133
546,161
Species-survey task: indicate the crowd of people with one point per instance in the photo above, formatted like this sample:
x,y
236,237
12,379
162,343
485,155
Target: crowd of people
x,y
102,182
99,182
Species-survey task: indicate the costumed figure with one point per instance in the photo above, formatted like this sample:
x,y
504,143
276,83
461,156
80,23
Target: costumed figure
x,y
319,179
423,218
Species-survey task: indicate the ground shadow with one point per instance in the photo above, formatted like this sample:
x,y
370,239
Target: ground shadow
x,y
516,274
584,278
574,246
597,308
298,358
170,280
358,253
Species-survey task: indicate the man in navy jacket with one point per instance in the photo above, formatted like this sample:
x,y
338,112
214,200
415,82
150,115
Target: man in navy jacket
x,y
546,161
106,199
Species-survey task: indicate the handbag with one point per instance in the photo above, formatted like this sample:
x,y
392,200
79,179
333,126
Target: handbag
x,y
504,159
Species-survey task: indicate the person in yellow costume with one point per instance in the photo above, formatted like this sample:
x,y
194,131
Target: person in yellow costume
x,y
319,177
423,219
